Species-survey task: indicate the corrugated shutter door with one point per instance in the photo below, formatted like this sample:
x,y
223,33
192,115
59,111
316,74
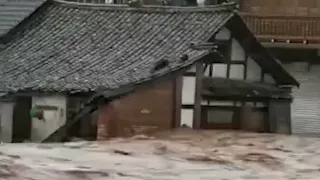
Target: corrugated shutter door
x,y
305,109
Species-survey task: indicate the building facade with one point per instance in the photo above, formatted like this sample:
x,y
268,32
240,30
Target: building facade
x,y
209,95
142,69
291,31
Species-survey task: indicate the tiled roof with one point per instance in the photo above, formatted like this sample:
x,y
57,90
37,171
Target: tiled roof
x,y
12,12
81,47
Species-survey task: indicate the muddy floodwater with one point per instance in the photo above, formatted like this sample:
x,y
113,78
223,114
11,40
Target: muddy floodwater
x,y
180,155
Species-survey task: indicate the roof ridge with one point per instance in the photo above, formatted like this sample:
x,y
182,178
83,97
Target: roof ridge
x,y
231,6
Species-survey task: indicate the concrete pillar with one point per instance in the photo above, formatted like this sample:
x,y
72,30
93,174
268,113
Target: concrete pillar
x,y
6,121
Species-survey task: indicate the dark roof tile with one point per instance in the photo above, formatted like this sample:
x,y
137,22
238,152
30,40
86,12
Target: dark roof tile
x,y
12,12
68,47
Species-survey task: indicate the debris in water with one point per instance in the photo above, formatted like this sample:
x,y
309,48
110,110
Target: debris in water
x,y
121,174
207,158
83,174
6,171
185,126
280,149
160,149
122,152
141,137
59,159
83,167
14,156
261,158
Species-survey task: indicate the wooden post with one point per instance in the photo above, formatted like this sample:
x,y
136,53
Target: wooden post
x,y
246,56
197,96
228,57
177,97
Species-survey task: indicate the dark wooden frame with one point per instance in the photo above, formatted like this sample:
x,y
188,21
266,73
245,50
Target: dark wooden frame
x,y
177,97
198,97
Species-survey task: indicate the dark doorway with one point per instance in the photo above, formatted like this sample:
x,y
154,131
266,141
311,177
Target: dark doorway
x,y
21,130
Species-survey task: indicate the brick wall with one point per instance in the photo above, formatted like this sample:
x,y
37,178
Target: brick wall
x,y
146,110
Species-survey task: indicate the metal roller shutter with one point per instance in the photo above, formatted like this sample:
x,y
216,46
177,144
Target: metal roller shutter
x,y
305,109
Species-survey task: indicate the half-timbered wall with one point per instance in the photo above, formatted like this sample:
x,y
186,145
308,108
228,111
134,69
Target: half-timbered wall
x,y
241,66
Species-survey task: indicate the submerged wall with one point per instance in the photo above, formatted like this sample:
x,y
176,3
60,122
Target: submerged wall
x,y
146,110
54,108
6,121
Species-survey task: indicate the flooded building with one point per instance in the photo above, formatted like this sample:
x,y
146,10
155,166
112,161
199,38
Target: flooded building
x,y
125,70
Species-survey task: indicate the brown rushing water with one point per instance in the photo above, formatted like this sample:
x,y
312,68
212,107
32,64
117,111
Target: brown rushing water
x,y
180,155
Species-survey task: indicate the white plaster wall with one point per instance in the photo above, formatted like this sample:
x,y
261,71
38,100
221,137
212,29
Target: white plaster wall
x,y
188,90
187,117
53,119
218,70
253,70
237,52
6,121
188,93
223,34
201,3
237,71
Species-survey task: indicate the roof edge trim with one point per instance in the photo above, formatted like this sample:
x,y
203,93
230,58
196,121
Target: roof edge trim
x,y
145,8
